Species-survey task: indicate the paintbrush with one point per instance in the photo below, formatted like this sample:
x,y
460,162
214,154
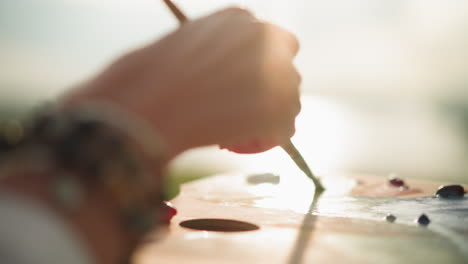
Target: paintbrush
x,y
288,146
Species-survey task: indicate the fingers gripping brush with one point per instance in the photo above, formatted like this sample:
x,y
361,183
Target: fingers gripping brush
x,y
288,146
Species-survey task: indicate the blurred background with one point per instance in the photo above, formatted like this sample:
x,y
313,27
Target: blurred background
x,y
385,82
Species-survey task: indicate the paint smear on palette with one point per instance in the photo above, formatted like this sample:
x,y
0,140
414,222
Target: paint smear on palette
x,y
449,217
452,213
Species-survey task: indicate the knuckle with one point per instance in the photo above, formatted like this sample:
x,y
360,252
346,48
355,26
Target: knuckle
x,y
289,126
295,102
256,33
297,107
236,10
293,108
288,107
298,77
286,129
291,130
290,39
267,28
293,42
260,27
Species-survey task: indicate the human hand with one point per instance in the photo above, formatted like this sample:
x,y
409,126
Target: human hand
x,y
224,79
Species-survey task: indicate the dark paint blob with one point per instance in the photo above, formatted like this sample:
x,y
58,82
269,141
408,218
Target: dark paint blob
x,y
450,191
219,225
423,220
396,182
390,218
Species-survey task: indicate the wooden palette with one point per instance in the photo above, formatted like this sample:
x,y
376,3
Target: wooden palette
x,y
346,226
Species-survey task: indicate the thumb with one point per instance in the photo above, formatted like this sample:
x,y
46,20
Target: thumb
x,y
254,146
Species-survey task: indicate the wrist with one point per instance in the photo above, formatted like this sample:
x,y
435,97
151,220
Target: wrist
x,y
95,216
156,124
88,170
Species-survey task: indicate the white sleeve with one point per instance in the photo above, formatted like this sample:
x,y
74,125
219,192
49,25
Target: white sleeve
x,y
32,234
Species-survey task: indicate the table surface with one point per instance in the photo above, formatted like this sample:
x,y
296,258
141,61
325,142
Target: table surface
x,y
346,225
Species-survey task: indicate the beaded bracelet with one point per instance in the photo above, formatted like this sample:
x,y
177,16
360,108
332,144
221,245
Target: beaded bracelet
x,y
89,150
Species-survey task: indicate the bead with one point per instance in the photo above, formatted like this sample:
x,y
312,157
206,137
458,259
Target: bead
x,y
423,220
167,212
13,132
139,220
390,218
68,191
450,191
